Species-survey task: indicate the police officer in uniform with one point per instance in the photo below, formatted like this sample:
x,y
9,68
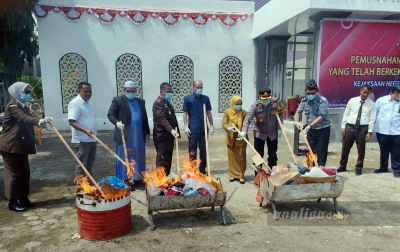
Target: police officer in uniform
x,y
266,127
318,128
164,132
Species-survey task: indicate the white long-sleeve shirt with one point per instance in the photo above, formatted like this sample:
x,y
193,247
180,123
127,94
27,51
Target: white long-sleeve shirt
x,y
368,113
388,116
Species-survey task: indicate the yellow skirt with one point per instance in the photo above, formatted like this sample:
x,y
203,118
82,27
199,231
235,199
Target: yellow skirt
x,y
237,161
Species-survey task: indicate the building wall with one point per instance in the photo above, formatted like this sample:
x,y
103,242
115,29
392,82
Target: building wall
x,y
153,42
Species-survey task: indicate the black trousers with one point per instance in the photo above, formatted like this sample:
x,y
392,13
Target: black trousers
x,y
389,144
319,141
164,149
272,149
17,175
354,135
198,139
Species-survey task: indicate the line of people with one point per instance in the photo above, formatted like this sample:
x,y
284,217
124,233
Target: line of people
x,y
127,112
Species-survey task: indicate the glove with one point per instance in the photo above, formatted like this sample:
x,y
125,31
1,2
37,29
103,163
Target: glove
x,y
298,124
232,129
279,133
48,119
211,130
241,135
306,129
147,138
45,120
120,125
187,131
174,133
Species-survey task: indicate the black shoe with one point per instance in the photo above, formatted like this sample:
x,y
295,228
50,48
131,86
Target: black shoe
x,y
203,171
26,202
381,171
341,169
14,206
358,172
255,173
396,175
241,181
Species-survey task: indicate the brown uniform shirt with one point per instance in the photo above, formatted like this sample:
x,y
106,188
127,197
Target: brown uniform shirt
x,y
164,120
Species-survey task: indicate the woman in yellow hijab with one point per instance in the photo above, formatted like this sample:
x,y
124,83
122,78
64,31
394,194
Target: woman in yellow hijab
x,y
236,148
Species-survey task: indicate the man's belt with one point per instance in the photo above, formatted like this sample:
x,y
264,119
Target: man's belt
x,y
361,126
317,128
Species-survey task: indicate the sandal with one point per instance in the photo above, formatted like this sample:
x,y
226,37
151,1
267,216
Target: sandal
x,y
241,181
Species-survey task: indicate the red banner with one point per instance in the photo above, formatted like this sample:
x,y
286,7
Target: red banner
x,y
354,53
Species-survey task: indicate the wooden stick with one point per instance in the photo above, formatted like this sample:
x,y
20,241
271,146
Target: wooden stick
x,y
116,156
128,165
308,145
206,135
251,146
176,150
77,160
284,134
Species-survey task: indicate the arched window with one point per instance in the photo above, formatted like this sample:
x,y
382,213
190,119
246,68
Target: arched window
x,y
129,68
73,69
181,79
230,81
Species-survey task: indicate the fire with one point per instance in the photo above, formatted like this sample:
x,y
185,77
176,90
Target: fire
x,y
309,160
158,178
85,187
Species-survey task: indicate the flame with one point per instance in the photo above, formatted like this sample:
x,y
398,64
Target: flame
x,y
158,177
85,187
129,168
309,160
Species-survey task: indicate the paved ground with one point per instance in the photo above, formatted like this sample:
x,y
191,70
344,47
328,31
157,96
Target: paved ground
x,y
370,203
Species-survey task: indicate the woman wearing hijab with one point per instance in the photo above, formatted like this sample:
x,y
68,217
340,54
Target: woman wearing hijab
x,y
236,148
17,140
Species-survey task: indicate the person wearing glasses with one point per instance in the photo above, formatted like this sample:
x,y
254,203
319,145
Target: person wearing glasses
x,y
317,128
128,112
266,128
17,140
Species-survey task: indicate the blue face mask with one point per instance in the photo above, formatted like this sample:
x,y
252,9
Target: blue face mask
x,y
237,107
265,102
311,97
199,91
130,95
25,97
168,96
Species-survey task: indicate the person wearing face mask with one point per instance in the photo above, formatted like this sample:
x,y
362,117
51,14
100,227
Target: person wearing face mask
x,y
318,128
128,112
266,127
17,140
82,118
387,127
194,126
236,148
164,132
357,126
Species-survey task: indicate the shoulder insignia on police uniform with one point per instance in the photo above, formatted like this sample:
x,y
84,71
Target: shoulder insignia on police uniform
x,y
14,105
320,100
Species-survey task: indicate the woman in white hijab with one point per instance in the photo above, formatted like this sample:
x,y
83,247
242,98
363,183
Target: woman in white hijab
x,y
17,140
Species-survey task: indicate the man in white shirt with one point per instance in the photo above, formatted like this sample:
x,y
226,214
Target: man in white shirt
x,y
357,125
82,118
387,129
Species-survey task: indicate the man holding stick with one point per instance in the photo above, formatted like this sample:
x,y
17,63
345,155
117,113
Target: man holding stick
x,y
194,126
266,127
164,132
315,107
82,118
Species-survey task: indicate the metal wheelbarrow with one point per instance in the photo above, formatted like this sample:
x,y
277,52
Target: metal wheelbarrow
x,y
157,203
272,194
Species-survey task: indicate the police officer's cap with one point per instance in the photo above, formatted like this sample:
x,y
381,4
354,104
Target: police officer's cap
x,y
265,93
311,85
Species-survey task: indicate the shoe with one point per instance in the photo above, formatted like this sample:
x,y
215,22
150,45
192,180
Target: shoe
x,y
381,170
341,169
13,205
241,181
231,179
255,174
26,202
358,172
396,175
